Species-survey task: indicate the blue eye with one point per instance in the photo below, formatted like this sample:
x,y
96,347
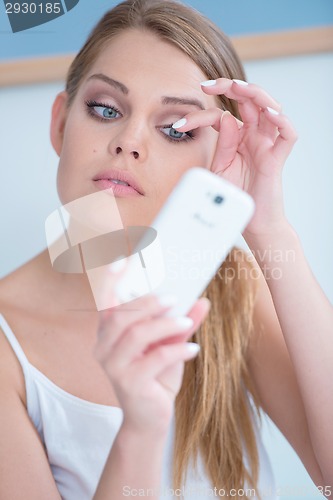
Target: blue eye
x,y
103,111
176,136
106,112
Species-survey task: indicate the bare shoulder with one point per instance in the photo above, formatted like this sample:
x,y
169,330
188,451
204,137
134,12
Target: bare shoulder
x,y
21,453
11,374
16,298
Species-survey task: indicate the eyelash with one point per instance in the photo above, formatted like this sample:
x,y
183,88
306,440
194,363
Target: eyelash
x,y
190,135
94,104
187,137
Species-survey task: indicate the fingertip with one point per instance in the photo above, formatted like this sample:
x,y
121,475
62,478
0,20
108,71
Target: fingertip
x,y
193,348
240,83
272,111
180,123
206,301
205,305
229,119
225,114
208,83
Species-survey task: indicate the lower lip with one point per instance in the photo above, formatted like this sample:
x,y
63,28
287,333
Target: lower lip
x,y
117,189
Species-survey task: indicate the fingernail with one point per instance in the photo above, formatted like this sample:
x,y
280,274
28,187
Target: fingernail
x,y
184,322
167,300
180,123
240,82
193,347
272,111
118,265
208,83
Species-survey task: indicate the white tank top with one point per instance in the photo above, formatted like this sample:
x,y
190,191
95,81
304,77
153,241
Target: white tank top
x,y
78,435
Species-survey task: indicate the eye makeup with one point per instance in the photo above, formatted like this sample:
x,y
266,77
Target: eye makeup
x,y
184,136
92,104
110,113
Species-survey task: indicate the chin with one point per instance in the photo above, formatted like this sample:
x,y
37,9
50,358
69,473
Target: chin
x,y
134,215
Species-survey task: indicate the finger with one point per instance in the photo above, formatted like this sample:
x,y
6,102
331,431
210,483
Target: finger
x,y
287,134
198,313
207,118
171,378
249,112
160,359
227,143
121,317
146,336
266,127
241,91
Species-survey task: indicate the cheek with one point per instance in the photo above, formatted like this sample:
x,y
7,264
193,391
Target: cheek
x,y
62,183
74,157
68,175
198,153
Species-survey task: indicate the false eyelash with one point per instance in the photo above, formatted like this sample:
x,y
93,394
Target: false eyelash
x,y
190,135
92,103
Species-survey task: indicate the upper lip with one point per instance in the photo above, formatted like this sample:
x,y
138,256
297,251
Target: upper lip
x,y
120,175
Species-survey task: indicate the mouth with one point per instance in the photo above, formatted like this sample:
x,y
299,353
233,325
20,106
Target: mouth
x,y
120,181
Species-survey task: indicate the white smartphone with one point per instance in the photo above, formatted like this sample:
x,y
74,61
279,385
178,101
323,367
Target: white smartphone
x,y
189,239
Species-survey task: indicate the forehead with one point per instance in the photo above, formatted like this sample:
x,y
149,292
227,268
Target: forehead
x,y
141,60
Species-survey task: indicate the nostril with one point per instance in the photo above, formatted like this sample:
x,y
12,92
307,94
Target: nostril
x,y
136,154
118,150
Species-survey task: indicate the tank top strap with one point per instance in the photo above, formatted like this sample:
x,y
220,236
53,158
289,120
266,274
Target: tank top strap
x,y
32,397
14,342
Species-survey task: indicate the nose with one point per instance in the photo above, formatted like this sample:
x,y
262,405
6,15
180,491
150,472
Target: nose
x,y
135,154
130,141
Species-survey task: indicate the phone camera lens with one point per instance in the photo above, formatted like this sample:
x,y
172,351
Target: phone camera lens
x,y
218,199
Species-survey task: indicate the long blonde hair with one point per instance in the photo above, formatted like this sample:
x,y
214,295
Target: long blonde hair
x,y
213,415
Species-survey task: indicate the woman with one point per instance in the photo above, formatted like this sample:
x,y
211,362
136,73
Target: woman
x,y
87,398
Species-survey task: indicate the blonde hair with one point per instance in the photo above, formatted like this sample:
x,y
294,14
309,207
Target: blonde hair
x,y
213,415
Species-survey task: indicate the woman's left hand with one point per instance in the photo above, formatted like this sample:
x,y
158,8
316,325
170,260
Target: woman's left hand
x,y
250,153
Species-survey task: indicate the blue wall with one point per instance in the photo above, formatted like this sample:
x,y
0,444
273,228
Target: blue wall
x,y
67,33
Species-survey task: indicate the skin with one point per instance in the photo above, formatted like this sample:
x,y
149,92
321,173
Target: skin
x,y
146,346
86,150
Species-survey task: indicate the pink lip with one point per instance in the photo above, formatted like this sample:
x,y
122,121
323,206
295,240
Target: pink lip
x,y
103,179
117,189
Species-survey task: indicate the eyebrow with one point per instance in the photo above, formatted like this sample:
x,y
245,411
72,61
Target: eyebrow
x,y
114,83
183,101
165,99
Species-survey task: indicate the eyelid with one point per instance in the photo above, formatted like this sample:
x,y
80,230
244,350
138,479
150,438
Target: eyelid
x,y
92,103
188,135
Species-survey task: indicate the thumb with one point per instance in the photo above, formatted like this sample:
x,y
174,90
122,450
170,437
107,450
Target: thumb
x,y
227,143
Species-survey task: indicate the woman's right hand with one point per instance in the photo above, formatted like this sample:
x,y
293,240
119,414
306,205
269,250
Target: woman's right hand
x,y
143,352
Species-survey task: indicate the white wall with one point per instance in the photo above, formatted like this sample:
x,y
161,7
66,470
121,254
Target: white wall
x,y
302,84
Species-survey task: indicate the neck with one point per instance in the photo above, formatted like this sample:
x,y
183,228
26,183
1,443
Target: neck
x,y
66,291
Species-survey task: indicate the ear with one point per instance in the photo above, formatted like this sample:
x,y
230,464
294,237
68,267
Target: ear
x,y
58,121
